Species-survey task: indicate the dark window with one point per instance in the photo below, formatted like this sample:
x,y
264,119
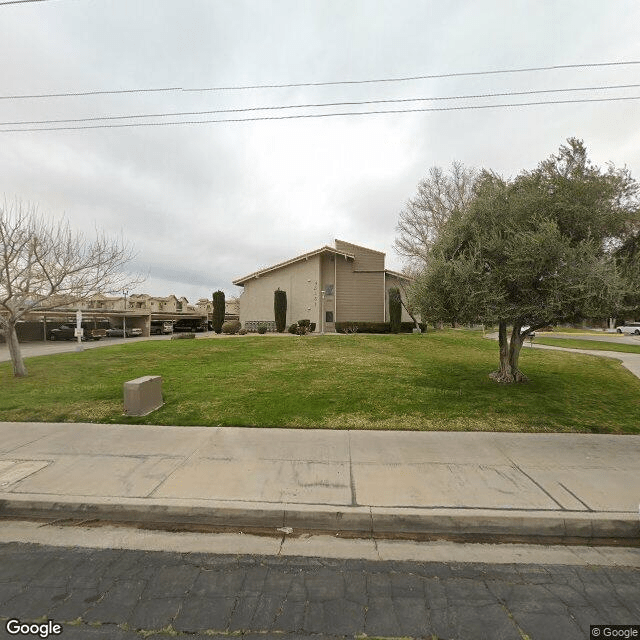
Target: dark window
x,y
328,316
328,290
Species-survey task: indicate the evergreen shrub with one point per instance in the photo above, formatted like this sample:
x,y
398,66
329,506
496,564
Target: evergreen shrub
x,y
218,311
280,309
231,327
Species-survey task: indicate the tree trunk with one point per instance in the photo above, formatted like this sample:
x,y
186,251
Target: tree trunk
x,y
514,354
19,370
412,316
503,374
509,355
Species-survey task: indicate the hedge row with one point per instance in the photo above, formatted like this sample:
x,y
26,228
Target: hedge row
x,y
374,327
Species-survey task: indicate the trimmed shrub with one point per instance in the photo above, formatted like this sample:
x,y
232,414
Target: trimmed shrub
x,y
395,309
364,327
232,327
279,310
374,327
303,327
218,311
408,327
183,336
242,332
262,329
293,328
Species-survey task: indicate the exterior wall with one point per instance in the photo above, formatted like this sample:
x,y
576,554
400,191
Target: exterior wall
x,y
365,259
299,280
103,302
392,281
165,305
359,296
360,293
328,285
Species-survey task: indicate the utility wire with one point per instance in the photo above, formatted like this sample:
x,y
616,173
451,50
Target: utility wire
x,y
325,115
20,1
407,78
313,84
317,104
88,93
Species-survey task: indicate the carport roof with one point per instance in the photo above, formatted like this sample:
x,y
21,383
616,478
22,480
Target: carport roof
x,y
305,256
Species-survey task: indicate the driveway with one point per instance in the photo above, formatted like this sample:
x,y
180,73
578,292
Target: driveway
x,y
629,361
32,349
604,337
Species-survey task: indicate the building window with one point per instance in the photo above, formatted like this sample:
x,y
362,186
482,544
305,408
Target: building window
x,y
328,289
328,316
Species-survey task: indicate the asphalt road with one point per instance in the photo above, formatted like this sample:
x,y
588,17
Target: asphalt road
x,y
126,594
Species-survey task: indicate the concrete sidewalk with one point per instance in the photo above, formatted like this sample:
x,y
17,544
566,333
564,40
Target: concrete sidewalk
x,y
630,361
367,483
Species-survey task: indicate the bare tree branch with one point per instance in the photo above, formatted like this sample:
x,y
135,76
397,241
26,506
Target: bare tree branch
x,y
45,265
424,216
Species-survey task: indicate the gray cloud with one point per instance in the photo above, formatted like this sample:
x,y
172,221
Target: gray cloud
x,y
205,204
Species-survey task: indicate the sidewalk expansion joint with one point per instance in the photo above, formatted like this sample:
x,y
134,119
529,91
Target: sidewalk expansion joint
x,y
587,507
524,473
354,501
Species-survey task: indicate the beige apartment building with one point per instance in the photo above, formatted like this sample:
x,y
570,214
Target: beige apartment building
x,y
344,283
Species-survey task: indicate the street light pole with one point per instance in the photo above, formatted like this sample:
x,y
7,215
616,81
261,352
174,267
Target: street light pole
x,y
79,330
124,317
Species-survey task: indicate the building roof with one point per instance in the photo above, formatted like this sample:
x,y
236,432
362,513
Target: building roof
x,y
305,256
396,274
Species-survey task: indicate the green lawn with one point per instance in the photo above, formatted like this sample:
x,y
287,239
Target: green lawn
x,y
434,381
595,345
596,332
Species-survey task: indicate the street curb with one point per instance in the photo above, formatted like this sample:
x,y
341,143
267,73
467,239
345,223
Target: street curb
x,y
357,521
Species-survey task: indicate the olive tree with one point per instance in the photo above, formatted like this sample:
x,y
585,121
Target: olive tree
x,y
536,250
45,265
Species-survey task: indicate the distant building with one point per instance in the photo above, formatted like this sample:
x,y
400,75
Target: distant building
x,y
353,278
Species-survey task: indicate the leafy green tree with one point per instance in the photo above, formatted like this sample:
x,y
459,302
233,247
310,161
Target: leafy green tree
x,y
395,309
536,250
218,311
280,309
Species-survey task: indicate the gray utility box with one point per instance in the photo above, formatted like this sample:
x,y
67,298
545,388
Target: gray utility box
x,y
142,395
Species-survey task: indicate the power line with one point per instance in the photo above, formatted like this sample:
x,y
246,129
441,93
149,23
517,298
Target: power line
x,y
325,115
317,104
312,84
87,93
20,1
407,78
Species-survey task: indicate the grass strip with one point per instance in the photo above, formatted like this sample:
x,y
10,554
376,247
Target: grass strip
x,y
593,345
434,381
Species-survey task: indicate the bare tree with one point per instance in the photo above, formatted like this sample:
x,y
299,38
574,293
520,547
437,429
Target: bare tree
x,y
45,265
423,217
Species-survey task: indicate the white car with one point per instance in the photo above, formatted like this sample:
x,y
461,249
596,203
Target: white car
x,y
629,327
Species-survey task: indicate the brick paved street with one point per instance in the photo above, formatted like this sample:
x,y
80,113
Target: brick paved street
x,y
129,594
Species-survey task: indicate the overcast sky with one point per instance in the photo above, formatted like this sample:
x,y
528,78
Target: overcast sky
x,y
204,204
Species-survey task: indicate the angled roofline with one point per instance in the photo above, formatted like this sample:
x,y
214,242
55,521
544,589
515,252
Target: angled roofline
x,y
397,274
359,246
305,256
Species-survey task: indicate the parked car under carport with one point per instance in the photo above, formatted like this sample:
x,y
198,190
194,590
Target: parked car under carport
x,y
118,332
